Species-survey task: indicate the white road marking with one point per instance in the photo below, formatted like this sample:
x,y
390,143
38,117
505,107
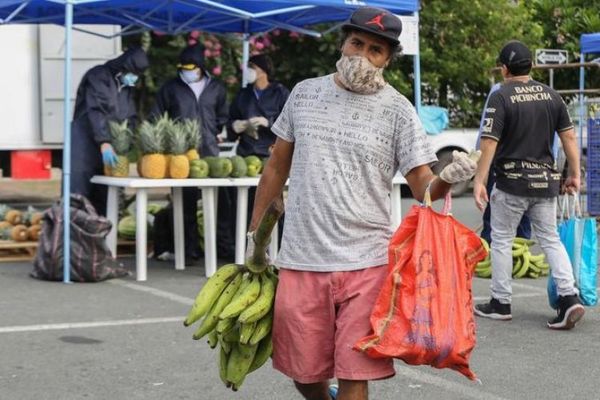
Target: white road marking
x,y
466,391
156,292
536,289
80,325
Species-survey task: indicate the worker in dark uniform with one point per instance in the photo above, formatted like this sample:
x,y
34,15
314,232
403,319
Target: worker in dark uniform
x,y
104,94
251,114
194,94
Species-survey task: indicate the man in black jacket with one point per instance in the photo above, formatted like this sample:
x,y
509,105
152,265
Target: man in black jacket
x,y
105,94
251,114
194,94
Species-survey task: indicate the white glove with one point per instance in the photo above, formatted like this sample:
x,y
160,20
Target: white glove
x,y
462,168
240,125
251,244
259,121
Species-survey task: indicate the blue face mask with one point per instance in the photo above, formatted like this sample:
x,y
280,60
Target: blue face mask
x,y
190,76
129,79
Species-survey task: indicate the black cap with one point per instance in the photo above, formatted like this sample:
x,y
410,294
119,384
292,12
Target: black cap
x,y
376,21
263,62
515,55
192,57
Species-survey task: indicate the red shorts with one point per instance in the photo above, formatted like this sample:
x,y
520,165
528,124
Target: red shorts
x,y
318,318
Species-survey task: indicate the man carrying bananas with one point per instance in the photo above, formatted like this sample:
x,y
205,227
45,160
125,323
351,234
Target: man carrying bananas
x,y
341,138
518,130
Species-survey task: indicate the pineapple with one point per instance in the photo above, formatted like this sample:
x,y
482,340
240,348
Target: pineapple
x,y
33,232
10,214
179,164
121,141
154,163
16,233
192,129
166,125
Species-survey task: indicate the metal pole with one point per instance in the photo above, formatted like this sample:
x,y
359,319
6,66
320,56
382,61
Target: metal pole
x,y
581,120
417,69
552,78
581,102
66,175
245,58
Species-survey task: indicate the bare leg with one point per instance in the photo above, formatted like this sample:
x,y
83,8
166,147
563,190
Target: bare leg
x,y
353,390
314,391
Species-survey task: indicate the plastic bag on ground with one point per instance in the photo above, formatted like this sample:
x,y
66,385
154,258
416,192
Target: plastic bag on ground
x,y
424,312
91,260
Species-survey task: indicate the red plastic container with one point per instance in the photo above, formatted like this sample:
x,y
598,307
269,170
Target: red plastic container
x,y
30,164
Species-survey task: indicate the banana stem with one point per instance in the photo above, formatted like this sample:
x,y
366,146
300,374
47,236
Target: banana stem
x,y
262,236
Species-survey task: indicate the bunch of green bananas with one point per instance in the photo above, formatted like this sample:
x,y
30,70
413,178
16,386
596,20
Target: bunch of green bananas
x,y
525,264
237,306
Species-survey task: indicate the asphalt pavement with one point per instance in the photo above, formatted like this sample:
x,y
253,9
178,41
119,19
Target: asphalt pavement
x,y
123,339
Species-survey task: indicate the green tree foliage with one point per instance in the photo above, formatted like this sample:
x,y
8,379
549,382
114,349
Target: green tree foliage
x,y
460,41
562,23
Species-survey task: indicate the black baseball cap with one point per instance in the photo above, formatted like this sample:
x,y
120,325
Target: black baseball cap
x,y
515,55
191,57
376,21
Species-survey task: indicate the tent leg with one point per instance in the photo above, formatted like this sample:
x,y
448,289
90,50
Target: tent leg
x,y
581,101
417,69
245,58
67,146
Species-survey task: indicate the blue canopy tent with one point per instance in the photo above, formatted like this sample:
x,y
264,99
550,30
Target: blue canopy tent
x,y
177,16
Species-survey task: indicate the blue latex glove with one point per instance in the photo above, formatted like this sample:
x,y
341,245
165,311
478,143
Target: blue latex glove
x,y
109,157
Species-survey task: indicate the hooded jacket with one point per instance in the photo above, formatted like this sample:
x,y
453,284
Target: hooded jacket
x,y
102,98
177,99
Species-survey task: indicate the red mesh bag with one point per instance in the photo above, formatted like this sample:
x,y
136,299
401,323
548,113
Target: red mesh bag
x,y
424,312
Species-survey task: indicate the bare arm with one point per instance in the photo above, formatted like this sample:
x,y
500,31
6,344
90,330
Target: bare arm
x,y
273,179
569,143
419,177
488,150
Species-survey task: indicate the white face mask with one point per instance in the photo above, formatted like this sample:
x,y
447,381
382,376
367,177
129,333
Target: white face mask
x,y
190,76
358,75
251,75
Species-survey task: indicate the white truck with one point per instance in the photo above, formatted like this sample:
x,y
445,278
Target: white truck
x,y
31,101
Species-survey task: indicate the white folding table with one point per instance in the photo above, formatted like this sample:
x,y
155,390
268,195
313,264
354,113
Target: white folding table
x,y
209,187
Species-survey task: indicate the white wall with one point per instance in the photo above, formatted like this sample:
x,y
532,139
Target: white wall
x,y
32,76
19,87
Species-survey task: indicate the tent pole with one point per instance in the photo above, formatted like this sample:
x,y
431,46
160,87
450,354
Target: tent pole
x,y
245,58
66,178
581,101
417,69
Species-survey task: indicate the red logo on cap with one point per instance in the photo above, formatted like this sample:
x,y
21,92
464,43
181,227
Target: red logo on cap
x,y
377,21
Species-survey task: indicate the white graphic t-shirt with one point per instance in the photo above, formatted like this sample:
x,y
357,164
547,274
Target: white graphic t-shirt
x,y
347,149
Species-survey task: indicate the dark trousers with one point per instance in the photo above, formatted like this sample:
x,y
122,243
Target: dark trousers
x,y
190,222
524,228
96,194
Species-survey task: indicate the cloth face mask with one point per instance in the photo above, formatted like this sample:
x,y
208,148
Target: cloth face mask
x,y
357,74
